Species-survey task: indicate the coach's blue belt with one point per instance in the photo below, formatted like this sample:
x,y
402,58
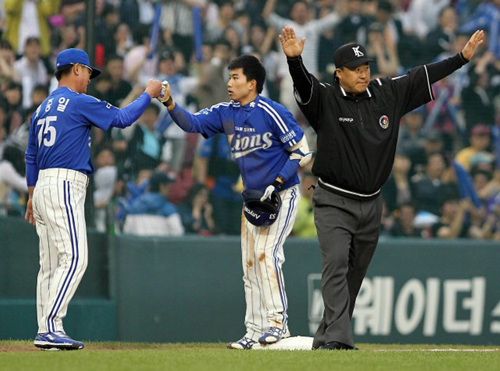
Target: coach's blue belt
x,y
67,174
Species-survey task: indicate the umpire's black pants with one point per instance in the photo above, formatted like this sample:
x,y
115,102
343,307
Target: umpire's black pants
x,y
348,232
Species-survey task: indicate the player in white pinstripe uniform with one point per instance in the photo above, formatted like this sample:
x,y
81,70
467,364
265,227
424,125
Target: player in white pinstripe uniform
x,y
57,167
269,147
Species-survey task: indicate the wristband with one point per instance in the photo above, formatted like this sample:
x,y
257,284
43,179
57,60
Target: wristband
x,y
278,182
168,102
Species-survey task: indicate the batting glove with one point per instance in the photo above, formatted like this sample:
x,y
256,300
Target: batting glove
x,y
164,97
268,192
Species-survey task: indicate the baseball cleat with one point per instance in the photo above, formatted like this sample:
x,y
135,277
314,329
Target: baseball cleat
x,y
243,344
272,335
56,340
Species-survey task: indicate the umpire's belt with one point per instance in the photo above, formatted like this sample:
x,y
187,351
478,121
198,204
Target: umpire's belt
x,y
349,194
67,174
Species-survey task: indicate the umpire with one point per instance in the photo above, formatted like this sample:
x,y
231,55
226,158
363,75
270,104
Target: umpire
x,y
357,123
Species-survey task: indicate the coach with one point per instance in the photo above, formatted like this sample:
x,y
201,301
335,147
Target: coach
x,y
58,166
357,125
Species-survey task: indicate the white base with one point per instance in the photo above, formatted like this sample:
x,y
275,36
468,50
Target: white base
x,y
291,343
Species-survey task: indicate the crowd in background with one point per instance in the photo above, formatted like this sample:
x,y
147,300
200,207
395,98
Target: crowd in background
x,y
153,178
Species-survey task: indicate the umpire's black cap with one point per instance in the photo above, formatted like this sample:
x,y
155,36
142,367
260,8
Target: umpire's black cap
x,y
350,55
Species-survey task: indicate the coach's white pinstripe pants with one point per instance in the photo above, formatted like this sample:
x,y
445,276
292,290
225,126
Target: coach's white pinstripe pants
x,y
263,258
58,205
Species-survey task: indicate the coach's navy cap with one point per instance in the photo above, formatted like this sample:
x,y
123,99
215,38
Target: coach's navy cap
x,y
75,56
350,55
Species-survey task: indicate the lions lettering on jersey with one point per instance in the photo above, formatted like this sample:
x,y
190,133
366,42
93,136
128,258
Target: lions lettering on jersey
x,y
243,145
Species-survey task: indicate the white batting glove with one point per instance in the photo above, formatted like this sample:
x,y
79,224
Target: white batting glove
x,y
268,192
163,98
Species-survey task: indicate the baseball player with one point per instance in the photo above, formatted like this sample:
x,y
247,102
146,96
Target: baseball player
x,y
58,165
269,147
357,122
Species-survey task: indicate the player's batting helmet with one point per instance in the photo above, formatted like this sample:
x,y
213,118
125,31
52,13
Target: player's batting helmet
x,y
261,213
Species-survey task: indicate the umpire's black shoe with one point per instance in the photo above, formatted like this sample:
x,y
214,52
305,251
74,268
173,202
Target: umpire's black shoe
x,y
335,345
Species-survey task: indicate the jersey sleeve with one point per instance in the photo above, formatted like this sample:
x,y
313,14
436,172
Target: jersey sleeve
x,y
210,121
286,127
31,153
413,89
307,90
97,112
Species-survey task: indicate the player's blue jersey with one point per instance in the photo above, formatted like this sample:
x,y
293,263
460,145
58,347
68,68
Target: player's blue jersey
x,y
260,134
61,128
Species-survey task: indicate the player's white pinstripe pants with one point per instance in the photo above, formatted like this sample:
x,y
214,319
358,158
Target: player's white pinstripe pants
x,y
58,205
263,258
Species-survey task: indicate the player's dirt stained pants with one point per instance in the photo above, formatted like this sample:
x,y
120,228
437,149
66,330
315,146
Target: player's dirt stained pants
x,y
348,232
58,204
262,259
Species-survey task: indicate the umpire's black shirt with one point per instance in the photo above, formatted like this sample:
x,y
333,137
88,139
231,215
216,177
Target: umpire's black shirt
x,y
357,134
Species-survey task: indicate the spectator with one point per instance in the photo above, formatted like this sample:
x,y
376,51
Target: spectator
x,y
440,39
120,138
105,178
304,223
214,29
354,25
39,93
146,12
20,135
396,191
443,113
305,25
73,10
145,150
66,37
453,220
487,17
129,13
14,97
12,183
197,212
409,46
7,60
482,161
328,40
3,136
412,139
177,25
212,84
478,97
216,167
123,40
480,141
119,87
139,62
29,18
31,69
423,16
383,50
231,34
183,87
107,22
152,214
404,222
430,189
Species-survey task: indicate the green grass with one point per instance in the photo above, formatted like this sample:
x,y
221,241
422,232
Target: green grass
x,y
22,355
